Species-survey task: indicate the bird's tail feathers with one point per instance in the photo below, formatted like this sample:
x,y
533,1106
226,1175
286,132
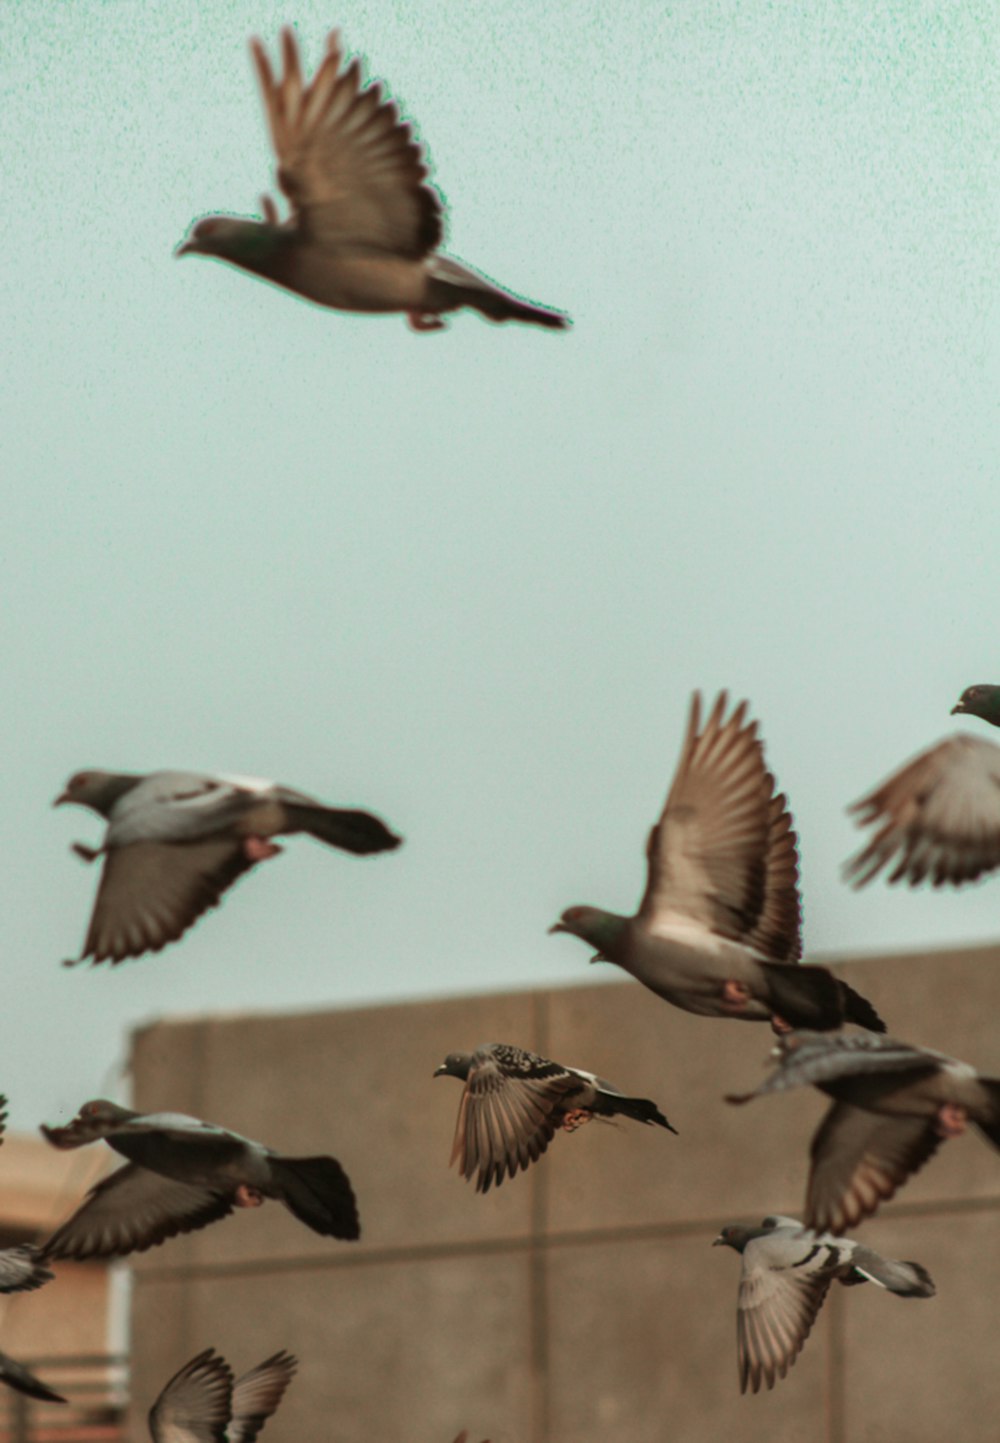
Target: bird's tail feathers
x,y
639,1108
452,285
351,831
317,1190
812,997
909,1280
859,1010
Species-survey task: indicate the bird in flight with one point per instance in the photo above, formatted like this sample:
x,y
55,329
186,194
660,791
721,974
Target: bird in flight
x,y
893,1106
183,1174
175,841
938,815
364,225
786,1274
718,931
203,1403
515,1101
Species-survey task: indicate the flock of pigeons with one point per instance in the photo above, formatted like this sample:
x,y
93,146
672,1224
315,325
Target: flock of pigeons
x,y
717,933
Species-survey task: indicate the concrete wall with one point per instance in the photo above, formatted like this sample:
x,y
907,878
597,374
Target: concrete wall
x,y
581,1302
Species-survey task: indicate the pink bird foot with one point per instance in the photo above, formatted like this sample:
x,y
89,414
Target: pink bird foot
x,y
735,995
779,1026
424,321
246,1196
258,849
575,1118
951,1120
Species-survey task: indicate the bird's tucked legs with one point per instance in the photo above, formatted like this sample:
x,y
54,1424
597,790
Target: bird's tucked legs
x,y
576,1117
246,1196
735,995
424,321
951,1120
258,849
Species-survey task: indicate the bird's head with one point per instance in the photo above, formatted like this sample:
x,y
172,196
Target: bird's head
x,y
95,1119
233,238
456,1064
86,789
733,1235
982,700
737,1235
591,924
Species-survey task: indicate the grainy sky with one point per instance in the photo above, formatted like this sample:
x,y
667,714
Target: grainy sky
x,y
469,580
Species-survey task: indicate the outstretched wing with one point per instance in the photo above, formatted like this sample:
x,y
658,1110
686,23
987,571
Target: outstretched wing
x,y
151,892
937,817
779,1299
723,851
350,166
859,1160
512,1104
132,1210
196,1404
257,1395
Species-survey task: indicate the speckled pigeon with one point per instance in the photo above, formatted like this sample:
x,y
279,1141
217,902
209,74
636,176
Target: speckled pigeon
x,y
893,1107
364,226
202,1403
785,1276
182,1175
513,1103
718,929
175,841
938,816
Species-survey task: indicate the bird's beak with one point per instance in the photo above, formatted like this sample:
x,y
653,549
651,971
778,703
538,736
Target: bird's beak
x,y
186,248
557,927
439,1071
62,797
599,957
717,1241
959,706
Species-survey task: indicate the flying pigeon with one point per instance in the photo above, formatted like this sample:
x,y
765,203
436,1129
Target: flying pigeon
x,y
513,1103
202,1403
718,929
183,1174
364,226
176,840
893,1107
18,1377
21,1267
938,816
785,1276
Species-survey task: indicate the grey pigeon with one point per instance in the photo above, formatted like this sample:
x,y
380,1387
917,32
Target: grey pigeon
x,y
718,929
182,1175
21,1267
938,816
785,1276
202,1403
18,1377
513,1103
176,840
364,226
893,1107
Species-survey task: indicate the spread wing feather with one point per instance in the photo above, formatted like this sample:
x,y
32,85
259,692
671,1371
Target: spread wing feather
x,y
348,164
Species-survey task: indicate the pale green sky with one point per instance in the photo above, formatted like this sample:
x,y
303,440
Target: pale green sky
x,y
469,580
